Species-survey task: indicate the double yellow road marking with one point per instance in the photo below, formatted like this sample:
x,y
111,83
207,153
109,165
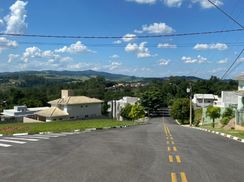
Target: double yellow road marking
x,y
172,156
182,176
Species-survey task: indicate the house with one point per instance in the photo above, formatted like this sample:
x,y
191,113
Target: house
x,y
204,100
227,99
71,107
18,112
240,106
117,105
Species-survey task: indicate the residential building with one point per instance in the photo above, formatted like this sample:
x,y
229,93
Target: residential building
x,y
18,112
240,107
204,100
117,105
227,99
71,107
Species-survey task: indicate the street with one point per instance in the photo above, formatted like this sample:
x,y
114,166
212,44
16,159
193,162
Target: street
x,y
160,151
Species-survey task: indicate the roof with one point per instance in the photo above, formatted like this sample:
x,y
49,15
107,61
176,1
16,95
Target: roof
x,y
52,112
240,92
240,77
73,100
206,96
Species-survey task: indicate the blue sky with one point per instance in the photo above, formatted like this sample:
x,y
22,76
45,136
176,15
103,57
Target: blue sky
x,y
201,56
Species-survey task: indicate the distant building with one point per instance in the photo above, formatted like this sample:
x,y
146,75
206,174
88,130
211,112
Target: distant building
x,y
204,100
71,107
117,105
18,112
227,99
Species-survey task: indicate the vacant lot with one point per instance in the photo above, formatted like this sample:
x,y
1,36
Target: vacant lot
x,y
60,126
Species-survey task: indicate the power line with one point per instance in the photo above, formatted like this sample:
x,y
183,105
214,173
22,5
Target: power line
x,y
226,14
120,37
232,64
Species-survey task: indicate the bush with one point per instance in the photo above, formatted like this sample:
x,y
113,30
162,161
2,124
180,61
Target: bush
x,y
197,117
224,121
125,112
137,112
180,110
228,113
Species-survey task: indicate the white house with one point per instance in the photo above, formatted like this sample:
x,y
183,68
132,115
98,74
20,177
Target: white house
x,y
240,107
18,112
71,107
227,99
204,100
117,105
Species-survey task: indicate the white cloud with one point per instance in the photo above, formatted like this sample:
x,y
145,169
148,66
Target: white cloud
x,y
156,28
6,43
241,60
206,5
77,47
173,3
1,22
12,57
217,46
31,52
140,50
223,61
129,37
115,56
114,65
15,21
164,62
117,42
189,60
143,1
166,45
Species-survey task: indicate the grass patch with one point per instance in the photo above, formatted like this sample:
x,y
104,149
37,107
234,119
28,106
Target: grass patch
x,y
236,133
60,126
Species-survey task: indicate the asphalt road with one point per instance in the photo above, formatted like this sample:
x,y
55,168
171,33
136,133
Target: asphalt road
x,y
159,151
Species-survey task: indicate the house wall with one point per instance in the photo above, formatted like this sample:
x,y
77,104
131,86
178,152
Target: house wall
x,y
240,104
241,85
83,111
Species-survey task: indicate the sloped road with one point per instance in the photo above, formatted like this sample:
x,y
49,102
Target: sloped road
x,y
159,151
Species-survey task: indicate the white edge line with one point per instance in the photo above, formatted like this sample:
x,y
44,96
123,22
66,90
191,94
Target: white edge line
x,y
20,134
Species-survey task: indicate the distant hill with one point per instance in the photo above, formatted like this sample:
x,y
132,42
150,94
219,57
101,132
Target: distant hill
x,y
83,75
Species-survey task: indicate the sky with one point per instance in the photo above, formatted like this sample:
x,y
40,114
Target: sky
x,y
126,21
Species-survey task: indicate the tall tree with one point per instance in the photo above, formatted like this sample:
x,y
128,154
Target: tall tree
x,y
213,113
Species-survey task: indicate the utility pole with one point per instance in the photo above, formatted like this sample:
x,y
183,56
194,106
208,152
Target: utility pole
x,y
189,90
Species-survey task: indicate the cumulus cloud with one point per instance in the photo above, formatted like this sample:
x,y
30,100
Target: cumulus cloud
x,y
206,4
166,45
189,60
143,1
12,57
115,56
173,3
140,49
6,43
77,47
129,37
164,62
216,46
223,61
117,42
15,21
156,28
1,22
114,65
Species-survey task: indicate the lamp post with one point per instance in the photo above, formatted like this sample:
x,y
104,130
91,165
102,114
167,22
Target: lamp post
x,y
189,90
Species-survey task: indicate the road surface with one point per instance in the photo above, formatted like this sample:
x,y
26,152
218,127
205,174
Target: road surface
x,y
161,151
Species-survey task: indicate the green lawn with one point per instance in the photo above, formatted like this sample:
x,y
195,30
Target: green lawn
x,y
236,133
60,126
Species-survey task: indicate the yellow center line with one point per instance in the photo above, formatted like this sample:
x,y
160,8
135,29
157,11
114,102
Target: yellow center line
x,y
174,149
173,177
168,142
169,149
183,177
178,159
171,138
172,142
171,158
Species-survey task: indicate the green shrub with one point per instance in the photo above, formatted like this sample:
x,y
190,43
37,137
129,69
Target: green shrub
x,y
197,117
125,112
225,120
229,112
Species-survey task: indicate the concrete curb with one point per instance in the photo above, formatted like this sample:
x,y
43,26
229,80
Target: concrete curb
x,y
221,134
75,131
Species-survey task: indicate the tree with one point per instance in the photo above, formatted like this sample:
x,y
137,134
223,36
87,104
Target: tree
x,y
213,113
126,111
137,112
181,109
